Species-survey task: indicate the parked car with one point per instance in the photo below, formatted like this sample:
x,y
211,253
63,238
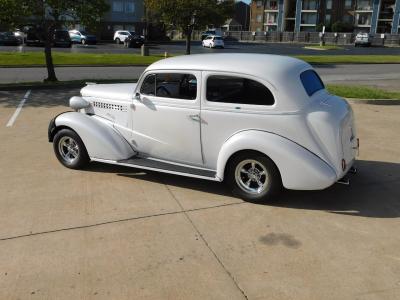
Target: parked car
x,y
362,39
9,39
134,40
258,122
213,41
34,38
206,33
82,37
121,35
61,39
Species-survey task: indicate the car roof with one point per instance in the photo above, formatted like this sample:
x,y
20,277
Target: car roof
x,y
260,65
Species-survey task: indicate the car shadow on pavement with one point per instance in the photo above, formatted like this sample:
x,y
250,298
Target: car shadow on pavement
x,y
373,192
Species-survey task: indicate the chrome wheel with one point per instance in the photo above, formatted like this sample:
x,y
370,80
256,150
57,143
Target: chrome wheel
x,y
251,176
68,149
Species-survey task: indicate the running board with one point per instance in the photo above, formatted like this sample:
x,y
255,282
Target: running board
x,y
164,167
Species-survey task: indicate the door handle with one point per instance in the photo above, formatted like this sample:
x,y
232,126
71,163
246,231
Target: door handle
x,y
195,117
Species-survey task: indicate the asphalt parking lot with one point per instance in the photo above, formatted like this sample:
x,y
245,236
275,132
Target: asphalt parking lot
x,y
234,47
117,233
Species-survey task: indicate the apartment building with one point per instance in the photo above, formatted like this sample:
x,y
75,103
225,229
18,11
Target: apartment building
x,y
374,16
123,15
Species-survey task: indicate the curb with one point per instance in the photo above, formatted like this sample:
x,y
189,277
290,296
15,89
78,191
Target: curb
x,y
60,85
374,101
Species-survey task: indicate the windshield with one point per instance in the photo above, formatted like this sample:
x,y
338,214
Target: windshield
x,y
217,38
83,33
62,34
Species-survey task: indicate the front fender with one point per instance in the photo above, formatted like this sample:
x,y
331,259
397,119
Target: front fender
x,y
299,168
100,138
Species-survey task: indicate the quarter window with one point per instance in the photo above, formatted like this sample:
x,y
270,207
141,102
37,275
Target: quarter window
x,y
311,82
170,85
231,89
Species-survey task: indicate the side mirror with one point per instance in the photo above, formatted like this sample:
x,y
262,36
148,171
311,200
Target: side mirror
x,y
137,97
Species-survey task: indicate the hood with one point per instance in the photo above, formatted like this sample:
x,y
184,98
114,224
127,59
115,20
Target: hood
x,y
120,91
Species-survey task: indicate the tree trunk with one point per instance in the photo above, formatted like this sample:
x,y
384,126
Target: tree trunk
x,y
188,39
51,74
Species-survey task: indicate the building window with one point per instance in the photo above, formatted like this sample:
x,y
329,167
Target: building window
x,y
364,19
309,5
118,6
348,19
259,3
364,5
308,18
272,5
327,19
271,17
129,7
259,18
347,3
328,4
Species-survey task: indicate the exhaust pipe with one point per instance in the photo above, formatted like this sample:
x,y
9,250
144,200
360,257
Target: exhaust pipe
x,y
344,181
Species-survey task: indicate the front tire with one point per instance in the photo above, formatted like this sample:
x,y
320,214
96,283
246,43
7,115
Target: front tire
x,y
118,41
83,42
70,150
253,176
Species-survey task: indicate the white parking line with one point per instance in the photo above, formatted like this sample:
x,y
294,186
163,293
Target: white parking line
x,y
18,110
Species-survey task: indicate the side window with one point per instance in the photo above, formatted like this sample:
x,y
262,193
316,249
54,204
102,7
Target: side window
x,y
311,82
149,85
232,89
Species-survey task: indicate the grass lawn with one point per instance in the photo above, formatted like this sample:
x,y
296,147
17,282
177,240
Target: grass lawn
x,y
361,92
350,59
326,47
60,58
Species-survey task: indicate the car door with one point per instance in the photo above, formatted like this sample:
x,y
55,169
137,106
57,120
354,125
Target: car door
x,y
166,116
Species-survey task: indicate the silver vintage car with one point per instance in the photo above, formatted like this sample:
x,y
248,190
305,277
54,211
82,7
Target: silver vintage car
x,y
258,122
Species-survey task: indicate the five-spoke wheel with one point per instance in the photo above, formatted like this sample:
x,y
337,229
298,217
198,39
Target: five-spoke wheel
x,y
70,150
253,176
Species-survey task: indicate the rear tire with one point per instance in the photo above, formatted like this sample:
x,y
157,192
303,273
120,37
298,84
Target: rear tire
x,y
253,176
70,150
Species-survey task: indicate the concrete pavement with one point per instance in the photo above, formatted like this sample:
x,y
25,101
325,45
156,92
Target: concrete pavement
x,y
119,233
381,75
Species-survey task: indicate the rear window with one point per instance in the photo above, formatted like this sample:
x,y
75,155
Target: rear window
x,y
232,89
217,38
311,82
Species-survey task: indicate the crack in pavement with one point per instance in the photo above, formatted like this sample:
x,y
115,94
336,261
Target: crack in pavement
x,y
118,221
206,243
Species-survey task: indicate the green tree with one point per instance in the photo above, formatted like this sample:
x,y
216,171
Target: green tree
x,y
48,15
189,14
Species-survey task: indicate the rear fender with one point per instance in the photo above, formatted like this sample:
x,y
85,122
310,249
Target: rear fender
x,y
100,138
299,168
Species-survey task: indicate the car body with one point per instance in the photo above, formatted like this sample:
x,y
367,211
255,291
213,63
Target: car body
x,y
362,39
61,39
20,35
213,41
34,37
256,121
134,40
121,35
82,37
208,32
9,39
